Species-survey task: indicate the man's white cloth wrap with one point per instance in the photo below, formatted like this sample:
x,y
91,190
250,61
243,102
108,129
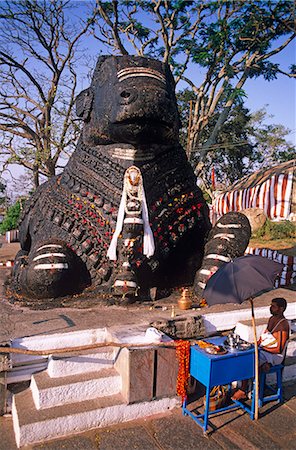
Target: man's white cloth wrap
x,y
148,241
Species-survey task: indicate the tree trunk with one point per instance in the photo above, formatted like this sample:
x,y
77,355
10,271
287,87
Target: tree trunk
x,y
36,177
213,137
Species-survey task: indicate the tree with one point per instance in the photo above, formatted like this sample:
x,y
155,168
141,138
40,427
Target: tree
x,y
227,41
270,141
230,41
38,53
231,155
233,148
2,197
11,218
244,145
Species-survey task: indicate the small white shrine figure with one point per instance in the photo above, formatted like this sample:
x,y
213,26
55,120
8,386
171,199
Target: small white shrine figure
x,y
133,225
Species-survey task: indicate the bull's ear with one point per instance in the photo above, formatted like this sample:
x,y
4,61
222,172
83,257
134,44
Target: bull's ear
x,y
84,103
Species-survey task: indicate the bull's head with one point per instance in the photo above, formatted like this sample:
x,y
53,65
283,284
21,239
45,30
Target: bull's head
x,y
130,100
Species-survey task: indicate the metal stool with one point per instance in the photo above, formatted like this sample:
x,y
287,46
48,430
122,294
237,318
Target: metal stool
x,y
277,393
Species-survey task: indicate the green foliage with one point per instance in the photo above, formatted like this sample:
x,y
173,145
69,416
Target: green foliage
x,y
2,193
277,230
233,147
270,141
11,218
207,197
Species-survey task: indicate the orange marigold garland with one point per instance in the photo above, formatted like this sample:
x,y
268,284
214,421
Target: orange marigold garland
x,y
183,356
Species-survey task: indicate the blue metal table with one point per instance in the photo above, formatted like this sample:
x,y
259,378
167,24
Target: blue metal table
x,y
214,370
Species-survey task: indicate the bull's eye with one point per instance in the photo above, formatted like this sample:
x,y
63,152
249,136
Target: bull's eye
x,y
125,94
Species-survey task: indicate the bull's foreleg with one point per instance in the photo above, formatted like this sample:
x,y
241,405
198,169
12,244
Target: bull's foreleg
x,y
50,269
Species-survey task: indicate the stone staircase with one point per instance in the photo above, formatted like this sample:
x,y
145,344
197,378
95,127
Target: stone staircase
x,y
97,389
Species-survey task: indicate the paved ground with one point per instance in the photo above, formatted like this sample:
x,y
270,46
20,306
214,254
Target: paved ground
x,y
275,429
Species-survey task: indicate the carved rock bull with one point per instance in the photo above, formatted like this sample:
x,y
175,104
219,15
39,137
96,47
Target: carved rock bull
x,y
125,214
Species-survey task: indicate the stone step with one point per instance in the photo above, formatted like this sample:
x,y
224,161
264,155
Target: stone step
x,y
32,426
50,392
64,365
64,339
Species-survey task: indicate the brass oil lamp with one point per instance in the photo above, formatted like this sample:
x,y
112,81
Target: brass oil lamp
x,y
185,301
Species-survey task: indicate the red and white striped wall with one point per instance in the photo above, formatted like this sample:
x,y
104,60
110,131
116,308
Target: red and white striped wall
x,y
274,196
12,236
288,275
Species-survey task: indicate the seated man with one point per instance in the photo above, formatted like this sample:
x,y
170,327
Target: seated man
x,y
272,342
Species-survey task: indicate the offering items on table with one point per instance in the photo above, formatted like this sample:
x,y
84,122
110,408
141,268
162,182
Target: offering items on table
x,y
233,342
212,349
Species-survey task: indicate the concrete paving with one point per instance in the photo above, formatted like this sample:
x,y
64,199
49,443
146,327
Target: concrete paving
x,y
275,429
17,320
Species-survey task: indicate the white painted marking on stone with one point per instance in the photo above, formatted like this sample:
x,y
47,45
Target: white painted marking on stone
x,y
146,75
49,246
131,154
229,225
205,272
218,257
51,266
129,72
133,220
125,283
48,255
202,285
128,242
226,236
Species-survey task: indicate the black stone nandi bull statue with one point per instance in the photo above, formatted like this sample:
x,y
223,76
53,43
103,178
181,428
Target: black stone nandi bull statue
x,y
125,215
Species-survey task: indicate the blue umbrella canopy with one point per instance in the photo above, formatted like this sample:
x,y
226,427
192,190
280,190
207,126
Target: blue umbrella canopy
x,y
241,279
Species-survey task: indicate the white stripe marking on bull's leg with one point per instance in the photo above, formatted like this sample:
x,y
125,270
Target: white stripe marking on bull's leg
x,y
47,255
205,272
229,225
51,266
218,257
49,246
226,236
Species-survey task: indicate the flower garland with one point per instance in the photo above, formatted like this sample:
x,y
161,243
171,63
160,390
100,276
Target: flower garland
x,y
183,356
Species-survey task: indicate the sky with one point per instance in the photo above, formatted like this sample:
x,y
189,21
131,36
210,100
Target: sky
x,y
279,94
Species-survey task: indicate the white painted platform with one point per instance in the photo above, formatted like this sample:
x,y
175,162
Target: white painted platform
x,y
227,320
62,366
84,391
32,426
50,392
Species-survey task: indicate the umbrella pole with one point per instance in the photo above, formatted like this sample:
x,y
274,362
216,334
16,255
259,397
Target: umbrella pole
x,y
256,363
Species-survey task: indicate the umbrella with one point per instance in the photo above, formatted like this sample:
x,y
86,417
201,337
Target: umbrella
x,y
239,280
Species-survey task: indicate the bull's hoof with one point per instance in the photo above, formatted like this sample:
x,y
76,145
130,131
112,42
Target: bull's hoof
x,y
53,270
